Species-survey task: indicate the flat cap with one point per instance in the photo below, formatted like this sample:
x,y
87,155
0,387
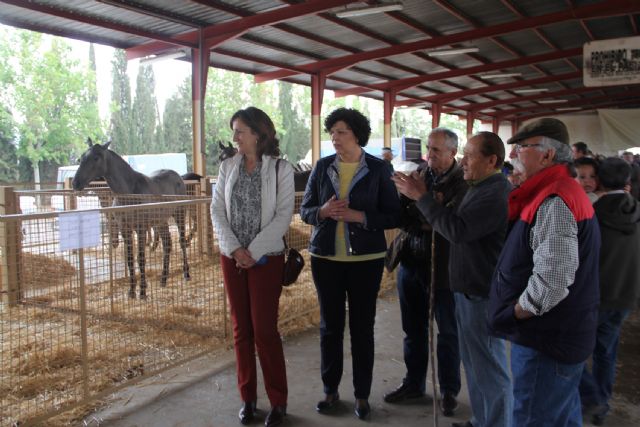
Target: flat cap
x,y
551,128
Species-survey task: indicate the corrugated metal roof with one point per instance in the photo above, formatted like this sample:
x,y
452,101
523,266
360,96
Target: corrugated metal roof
x,y
501,29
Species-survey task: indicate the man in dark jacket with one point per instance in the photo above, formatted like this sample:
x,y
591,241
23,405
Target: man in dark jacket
x,y
413,247
619,219
544,292
475,229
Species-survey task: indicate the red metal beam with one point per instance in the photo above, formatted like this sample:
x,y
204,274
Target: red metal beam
x,y
448,97
168,42
240,26
572,103
607,8
403,84
633,24
538,32
523,118
486,105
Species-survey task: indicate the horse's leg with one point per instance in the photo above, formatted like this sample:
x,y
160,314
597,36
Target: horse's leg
x,y
180,214
128,251
156,238
165,235
193,223
114,231
142,242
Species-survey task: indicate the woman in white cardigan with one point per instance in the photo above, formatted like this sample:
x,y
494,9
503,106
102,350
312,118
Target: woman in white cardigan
x,y
251,211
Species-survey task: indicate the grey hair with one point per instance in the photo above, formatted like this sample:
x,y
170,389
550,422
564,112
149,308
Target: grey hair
x,y
563,151
450,137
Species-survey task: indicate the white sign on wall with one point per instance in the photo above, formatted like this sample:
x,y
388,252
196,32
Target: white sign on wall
x,y
611,62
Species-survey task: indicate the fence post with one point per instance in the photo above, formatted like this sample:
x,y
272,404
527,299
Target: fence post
x,y
10,244
83,325
207,229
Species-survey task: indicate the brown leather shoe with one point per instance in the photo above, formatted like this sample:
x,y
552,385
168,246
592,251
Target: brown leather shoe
x,y
275,416
247,411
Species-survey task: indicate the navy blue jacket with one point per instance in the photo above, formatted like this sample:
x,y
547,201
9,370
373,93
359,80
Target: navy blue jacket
x,y
371,191
567,332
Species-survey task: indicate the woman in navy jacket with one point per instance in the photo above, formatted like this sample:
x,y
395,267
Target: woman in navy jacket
x,y
350,200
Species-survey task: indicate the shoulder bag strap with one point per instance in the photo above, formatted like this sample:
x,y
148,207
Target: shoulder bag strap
x,y
277,166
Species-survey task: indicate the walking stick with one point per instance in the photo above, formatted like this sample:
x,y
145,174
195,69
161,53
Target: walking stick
x,y
432,292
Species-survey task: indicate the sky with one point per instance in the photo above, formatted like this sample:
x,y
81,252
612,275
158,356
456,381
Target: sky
x,y
168,74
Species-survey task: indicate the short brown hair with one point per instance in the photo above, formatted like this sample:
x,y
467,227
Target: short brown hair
x,y
492,145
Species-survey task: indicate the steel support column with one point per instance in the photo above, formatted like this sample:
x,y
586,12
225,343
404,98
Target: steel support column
x,y
435,115
470,119
199,72
317,94
389,100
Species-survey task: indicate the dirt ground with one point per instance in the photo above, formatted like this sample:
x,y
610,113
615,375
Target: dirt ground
x,y
626,390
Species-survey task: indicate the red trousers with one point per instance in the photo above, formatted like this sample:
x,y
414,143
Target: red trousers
x,y
254,295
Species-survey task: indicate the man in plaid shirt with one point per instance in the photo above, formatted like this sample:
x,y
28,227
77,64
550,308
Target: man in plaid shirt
x,y
544,292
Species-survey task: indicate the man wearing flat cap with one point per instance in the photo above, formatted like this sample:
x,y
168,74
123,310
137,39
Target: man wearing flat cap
x,y
545,288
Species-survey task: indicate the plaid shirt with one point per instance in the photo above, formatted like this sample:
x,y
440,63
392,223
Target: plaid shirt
x,y
554,241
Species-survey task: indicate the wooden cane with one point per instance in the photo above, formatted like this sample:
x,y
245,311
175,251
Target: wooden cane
x,y
432,287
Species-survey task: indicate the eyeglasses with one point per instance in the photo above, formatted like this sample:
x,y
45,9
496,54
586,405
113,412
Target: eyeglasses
x,y
519,147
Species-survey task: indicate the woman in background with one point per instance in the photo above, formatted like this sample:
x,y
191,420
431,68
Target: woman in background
x,y
350,200
251,212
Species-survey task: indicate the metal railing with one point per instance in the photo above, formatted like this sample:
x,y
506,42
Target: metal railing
x,y
70,331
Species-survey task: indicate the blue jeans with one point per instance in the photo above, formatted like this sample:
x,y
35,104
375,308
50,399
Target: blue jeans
x,y
413,292
485,363
545,391
596,386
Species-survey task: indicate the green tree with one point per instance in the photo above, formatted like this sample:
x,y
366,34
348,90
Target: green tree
x,y
121,118
8,155
145,113
295,136
226,93
177,122
92,113
50,96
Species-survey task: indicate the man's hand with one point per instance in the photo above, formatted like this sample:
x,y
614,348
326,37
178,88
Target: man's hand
x,y
411,186
521,314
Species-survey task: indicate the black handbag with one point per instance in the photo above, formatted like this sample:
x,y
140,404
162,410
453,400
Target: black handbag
x,y
395,251
293,265
293,261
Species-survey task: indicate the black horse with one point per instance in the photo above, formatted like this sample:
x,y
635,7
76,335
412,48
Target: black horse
x,y
301,170
97,161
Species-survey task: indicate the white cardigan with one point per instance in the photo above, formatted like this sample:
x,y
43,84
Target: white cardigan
x,y
276,212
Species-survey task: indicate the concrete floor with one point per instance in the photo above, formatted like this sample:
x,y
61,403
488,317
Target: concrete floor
x,y
203,393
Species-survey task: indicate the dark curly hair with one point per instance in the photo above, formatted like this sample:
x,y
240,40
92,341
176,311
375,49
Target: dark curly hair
x,y
261,125
356,121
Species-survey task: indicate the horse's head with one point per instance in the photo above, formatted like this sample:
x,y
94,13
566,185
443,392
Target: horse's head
x,y
93,164
226,151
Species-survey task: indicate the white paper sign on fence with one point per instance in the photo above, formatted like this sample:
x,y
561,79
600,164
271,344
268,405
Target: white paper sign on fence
x,y
612,62
79,230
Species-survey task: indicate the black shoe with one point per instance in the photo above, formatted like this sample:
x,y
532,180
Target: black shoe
x,y
275,416
597,419
328,403
362,409
448,404
463,424
247,411
403,392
